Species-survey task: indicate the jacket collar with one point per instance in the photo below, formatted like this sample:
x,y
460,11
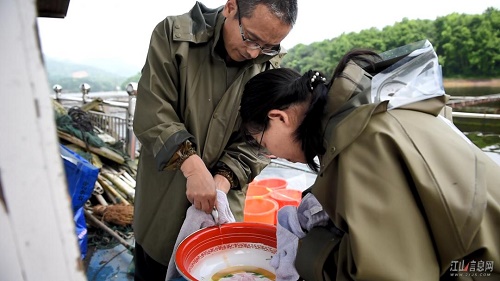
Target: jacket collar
x,y
198,25
202,24
348,91
341,131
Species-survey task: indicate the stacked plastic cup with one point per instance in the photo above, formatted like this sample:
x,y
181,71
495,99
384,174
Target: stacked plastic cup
x,y
274,189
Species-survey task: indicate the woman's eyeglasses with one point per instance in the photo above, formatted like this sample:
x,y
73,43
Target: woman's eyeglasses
x,y
260,149
262,136
253,142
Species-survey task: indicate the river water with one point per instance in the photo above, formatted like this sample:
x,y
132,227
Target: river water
x,y
485,133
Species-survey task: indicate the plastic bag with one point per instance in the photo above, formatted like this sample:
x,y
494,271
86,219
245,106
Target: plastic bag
x,y
414,78
81,231
81,177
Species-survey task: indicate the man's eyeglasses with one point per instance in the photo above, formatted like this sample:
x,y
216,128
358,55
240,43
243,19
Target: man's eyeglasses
x,y
270,51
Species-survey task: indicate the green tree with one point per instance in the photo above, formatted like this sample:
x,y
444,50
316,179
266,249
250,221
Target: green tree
x,y
467,45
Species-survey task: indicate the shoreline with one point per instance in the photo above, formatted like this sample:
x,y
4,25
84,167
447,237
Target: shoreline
x,y
451,83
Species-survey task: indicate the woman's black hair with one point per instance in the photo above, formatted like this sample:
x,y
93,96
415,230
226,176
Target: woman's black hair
x,y
279,89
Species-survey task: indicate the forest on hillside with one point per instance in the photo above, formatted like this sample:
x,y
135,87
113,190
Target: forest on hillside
x,y
70,76
468,46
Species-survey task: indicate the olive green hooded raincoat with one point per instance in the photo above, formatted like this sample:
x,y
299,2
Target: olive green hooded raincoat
x,y
414,199
186,91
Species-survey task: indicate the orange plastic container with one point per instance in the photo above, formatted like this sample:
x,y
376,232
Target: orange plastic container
x,y
273,183
258,191
287,197
262,210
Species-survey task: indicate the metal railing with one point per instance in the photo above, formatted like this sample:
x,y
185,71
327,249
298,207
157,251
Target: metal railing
x,y
463,101
476,115
113,125
117,118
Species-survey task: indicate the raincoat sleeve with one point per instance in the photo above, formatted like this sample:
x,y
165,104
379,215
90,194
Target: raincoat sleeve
x,y
240,157
156,123
243,161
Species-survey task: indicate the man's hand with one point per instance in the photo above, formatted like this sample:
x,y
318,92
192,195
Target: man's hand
x,y
222,183
200,186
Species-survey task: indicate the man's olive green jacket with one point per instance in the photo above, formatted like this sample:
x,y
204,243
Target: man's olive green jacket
x,y
186,91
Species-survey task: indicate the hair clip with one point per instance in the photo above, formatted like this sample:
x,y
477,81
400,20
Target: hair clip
x,y
316,77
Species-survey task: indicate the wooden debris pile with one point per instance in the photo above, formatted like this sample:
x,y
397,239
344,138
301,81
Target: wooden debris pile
x,y
111,205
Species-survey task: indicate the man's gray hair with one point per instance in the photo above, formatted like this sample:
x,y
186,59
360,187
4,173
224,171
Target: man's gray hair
x,y
285,10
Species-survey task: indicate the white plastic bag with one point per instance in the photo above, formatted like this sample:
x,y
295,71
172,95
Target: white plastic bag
x,y
414,78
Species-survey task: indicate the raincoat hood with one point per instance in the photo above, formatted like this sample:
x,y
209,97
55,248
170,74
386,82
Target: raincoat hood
x,y
402,77
407,77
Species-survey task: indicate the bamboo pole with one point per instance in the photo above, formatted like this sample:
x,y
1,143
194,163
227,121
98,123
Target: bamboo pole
x,y
104,182
120,184
101,199
130,178
125,180
102,151
98,191
110,196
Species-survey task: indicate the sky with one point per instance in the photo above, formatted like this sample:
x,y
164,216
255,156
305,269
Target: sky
x,y
121,29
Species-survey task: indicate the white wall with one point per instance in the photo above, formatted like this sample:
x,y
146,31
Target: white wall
x,y
37,235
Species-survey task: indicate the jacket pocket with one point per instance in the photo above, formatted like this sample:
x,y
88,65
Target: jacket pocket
x,y
315,254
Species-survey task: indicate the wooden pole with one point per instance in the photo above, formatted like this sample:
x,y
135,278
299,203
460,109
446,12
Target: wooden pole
x,y
122,241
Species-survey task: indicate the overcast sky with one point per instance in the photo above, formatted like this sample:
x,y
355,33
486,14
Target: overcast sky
x,y
121,29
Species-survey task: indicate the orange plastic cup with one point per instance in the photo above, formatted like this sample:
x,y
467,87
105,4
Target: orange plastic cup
x,y
262,210
287,197
273,183
258,191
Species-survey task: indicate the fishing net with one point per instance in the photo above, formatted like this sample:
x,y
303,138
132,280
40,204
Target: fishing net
x,y
101,239
78,123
